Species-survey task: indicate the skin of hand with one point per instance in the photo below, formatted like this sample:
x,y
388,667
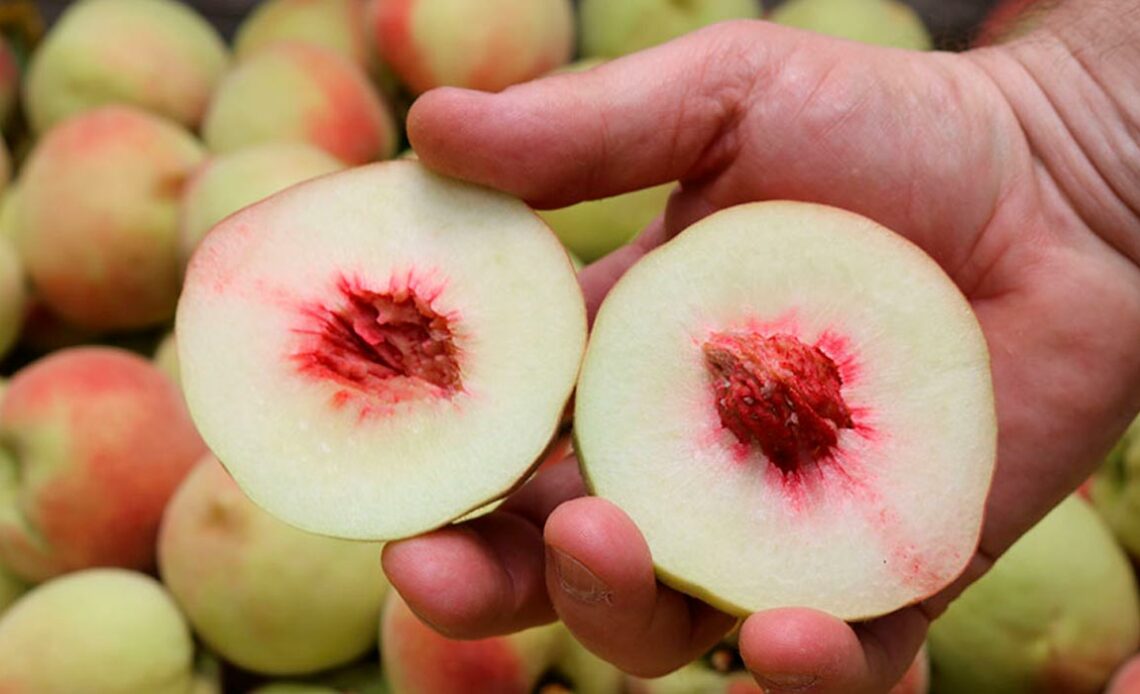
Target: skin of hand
x,y
1017,168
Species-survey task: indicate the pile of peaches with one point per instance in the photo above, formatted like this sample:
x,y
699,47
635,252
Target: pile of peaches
x,y
245,339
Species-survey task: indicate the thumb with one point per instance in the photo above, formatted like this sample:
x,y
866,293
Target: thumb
x,y
642,120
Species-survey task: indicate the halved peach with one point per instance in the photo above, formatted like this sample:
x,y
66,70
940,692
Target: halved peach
x,y
795,407
377,352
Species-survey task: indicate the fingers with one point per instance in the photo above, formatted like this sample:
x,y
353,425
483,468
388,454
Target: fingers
x,y
601,580
642,120
499,557
802,650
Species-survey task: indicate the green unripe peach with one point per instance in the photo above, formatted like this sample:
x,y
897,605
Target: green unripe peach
x,y
102,630
1057,612
158,55
880,22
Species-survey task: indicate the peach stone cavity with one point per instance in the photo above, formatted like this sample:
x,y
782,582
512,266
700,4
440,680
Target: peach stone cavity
x,y
794,405
378,352
391,344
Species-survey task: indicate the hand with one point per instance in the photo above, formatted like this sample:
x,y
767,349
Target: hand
x,y
965,155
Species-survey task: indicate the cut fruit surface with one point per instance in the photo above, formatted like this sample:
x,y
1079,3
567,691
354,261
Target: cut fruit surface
x,y
380,351
794,405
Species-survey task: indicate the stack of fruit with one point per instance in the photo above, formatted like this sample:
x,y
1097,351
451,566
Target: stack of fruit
x,y
131,561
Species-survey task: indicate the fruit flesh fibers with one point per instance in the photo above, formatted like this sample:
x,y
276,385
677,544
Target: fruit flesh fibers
x,y
892,512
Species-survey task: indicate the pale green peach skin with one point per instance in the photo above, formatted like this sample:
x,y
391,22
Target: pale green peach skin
x,y
155,54
296,92
13,296
108,258
96,440
414,656
593,228
102,630
1115,489
9,214
11,588
487,45
611,29
228,182
880,22
337,25
1057,612
262,594
166,358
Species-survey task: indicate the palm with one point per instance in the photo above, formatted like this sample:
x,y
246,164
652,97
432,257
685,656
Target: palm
x,y
929,146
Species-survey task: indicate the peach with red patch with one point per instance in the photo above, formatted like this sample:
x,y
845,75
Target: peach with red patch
x,y
301,92
158,55
477,45
338,25
101,439
419,660
108,258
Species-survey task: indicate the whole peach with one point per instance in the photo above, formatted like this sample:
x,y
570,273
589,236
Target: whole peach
x,y
155,54
228,182
301,93
337,25
263,594
478,44
98,208
102,630
101,439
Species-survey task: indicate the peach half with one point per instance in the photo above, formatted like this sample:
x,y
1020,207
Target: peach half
x,y
825,387
377,352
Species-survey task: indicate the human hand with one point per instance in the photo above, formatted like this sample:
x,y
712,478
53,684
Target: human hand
x,y
1026,201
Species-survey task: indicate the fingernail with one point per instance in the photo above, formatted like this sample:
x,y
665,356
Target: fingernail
x,y
577,581
786,682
